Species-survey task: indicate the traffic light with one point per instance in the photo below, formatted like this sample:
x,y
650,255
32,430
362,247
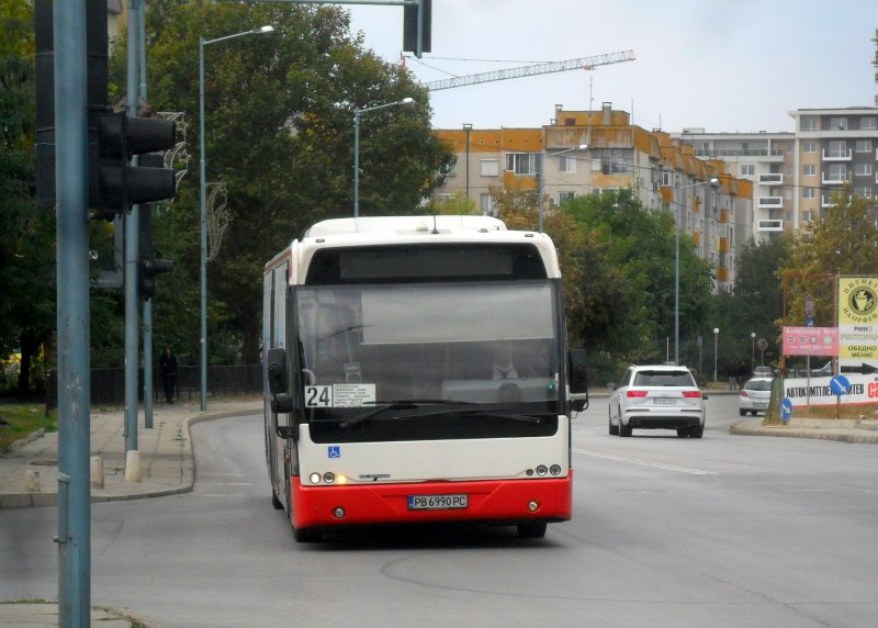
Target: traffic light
x,y
414,14
114,184
148,267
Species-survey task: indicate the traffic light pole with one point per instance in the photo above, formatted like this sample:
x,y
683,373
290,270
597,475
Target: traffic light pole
x,y
131,240
74,379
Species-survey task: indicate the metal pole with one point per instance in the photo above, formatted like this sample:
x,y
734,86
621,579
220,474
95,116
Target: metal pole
x,y
202,184
468,128
71,184
540,187
715,355
203,226
677,288
356,163
147,305
131,241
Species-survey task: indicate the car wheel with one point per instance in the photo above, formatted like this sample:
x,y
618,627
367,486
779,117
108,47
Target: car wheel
x,y
754,413
682,432
696,432
742,412
614,429
624,430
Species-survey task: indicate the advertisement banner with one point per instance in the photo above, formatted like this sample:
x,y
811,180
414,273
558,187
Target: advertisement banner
x,y
858,322
810,341
817,391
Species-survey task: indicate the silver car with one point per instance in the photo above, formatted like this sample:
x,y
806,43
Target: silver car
x,y
653,397
755,395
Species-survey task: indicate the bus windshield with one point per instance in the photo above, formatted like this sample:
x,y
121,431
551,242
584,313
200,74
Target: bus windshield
x,y
364,345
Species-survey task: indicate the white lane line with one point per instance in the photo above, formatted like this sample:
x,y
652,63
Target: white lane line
x,y
646,463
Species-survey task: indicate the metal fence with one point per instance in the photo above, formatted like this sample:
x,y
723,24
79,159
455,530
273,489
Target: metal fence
x,y
108,385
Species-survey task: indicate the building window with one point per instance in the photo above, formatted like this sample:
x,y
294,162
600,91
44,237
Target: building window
x,y
667,178
863,146
521,163
869,124
748,170
809,146
863,170
837,148
808,123
489,167
837,172
568,164
809,193
809,170
807,216
838,124
566,196
864,192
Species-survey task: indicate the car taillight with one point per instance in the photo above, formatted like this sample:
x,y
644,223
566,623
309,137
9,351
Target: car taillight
x,y
692,394
636,393
744,393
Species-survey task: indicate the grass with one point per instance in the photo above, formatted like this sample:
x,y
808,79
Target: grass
x,y
19,420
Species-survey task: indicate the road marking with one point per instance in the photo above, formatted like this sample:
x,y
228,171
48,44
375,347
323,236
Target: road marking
x,y
647,463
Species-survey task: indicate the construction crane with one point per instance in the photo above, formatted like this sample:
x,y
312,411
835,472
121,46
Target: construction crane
x,y
584,63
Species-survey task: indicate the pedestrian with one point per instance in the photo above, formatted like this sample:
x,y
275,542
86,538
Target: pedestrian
x,y
168,368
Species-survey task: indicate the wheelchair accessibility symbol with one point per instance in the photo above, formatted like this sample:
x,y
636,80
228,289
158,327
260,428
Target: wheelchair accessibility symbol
x,y
334,451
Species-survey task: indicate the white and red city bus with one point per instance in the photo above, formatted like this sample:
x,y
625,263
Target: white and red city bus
x,y
416,370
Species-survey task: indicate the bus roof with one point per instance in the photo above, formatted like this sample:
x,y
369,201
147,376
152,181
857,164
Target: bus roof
x,y
405,224
390,230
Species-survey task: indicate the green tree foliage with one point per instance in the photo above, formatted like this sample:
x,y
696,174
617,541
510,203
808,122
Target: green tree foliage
x,y
633,315
27,260
845,242
279,133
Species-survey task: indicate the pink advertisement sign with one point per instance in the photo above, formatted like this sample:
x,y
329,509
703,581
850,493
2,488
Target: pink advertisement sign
x,y
810,341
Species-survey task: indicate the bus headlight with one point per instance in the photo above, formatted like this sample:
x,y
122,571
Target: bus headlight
x,y
315,478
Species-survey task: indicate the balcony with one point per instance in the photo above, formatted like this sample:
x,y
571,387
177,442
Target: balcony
x,y
838,155
770,225
770,202
830,178
771,178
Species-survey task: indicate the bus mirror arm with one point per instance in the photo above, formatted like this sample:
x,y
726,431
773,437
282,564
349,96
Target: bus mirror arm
x,y
287,431
281,403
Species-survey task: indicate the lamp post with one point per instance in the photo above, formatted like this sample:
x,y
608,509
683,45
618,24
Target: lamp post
x,y
752,351
543,157
715,337
357,114
714,182
202,42
468,129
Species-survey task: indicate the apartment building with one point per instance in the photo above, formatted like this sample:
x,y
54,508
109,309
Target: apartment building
x,y
590,152
796,174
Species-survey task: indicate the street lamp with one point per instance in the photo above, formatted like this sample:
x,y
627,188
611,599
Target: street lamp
x,y
202,42
357,114
752,351
468,129
714,182
543,157
715,337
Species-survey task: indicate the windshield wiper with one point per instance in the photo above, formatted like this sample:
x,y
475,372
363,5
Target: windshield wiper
x,y
489,413
397,404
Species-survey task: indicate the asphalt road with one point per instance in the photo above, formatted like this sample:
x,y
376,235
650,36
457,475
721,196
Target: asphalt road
x,y
721,531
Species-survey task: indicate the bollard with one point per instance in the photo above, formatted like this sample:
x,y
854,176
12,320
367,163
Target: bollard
x,y
132,466
32,481
97,472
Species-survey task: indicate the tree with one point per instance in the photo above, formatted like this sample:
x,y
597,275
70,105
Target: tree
x,y
27,236
845,242
279,134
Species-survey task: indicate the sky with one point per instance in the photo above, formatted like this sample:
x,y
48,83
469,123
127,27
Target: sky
x,y
720,65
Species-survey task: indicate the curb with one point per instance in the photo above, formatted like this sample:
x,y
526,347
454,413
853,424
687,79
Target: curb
x,y
33,500
855,435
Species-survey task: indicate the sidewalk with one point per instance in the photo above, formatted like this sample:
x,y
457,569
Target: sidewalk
x,y
29,473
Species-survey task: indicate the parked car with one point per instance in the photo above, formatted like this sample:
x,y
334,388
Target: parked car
x,y
755,395
763,371
657,397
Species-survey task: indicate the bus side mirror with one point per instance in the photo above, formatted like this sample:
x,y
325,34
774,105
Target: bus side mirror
x,y
578,374
578,379
277,371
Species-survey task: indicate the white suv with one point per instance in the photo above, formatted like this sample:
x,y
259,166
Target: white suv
x,y
650,397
